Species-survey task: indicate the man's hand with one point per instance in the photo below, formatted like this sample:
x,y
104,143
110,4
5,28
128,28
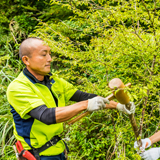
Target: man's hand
x,y
145,144
151,154
97,103
122,108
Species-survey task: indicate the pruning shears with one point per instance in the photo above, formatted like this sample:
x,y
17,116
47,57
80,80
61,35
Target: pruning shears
x,y
24,153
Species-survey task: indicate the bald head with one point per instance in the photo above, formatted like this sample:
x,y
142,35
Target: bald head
x,y
28,46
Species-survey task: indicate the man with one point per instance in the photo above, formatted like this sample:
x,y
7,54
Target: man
x,y
153,153
38,103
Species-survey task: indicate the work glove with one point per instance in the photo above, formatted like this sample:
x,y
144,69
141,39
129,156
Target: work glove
x,y
97,103
122,108
151,154
145,144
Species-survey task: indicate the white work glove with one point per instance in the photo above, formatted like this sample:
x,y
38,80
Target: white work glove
x,y
122,108
151,154
97,103
145,144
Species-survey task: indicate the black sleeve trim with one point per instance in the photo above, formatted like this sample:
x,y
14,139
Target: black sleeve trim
x,y
81,96
44,114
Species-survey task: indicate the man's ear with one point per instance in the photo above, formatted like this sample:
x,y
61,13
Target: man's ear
x,y
25,60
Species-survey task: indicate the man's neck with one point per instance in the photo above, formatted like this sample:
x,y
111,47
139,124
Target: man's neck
x,y
37,76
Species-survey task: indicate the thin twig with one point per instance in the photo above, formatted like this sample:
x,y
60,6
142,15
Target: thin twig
x,y
115,147
153,63
143,112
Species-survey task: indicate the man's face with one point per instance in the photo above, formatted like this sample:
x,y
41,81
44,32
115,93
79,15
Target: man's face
x,y
40,60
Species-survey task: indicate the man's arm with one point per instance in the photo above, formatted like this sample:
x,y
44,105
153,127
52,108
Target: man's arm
x,y
147,142
155,137
111,105
58,114
47,115
153,153
63,114
66,113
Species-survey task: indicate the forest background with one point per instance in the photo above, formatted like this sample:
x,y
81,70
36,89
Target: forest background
x,y
92,42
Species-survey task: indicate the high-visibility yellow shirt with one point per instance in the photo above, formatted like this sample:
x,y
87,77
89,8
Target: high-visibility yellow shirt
x,y
24,94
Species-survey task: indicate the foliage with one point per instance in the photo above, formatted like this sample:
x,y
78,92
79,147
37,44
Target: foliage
x,y
101,42
9,69
93,42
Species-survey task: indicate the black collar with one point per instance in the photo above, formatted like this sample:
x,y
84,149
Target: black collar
x,y
33,79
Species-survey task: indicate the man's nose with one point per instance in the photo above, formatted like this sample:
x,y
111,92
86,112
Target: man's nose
x,y
49,58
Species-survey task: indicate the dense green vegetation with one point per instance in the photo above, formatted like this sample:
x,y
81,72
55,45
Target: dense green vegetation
x,y
92,41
